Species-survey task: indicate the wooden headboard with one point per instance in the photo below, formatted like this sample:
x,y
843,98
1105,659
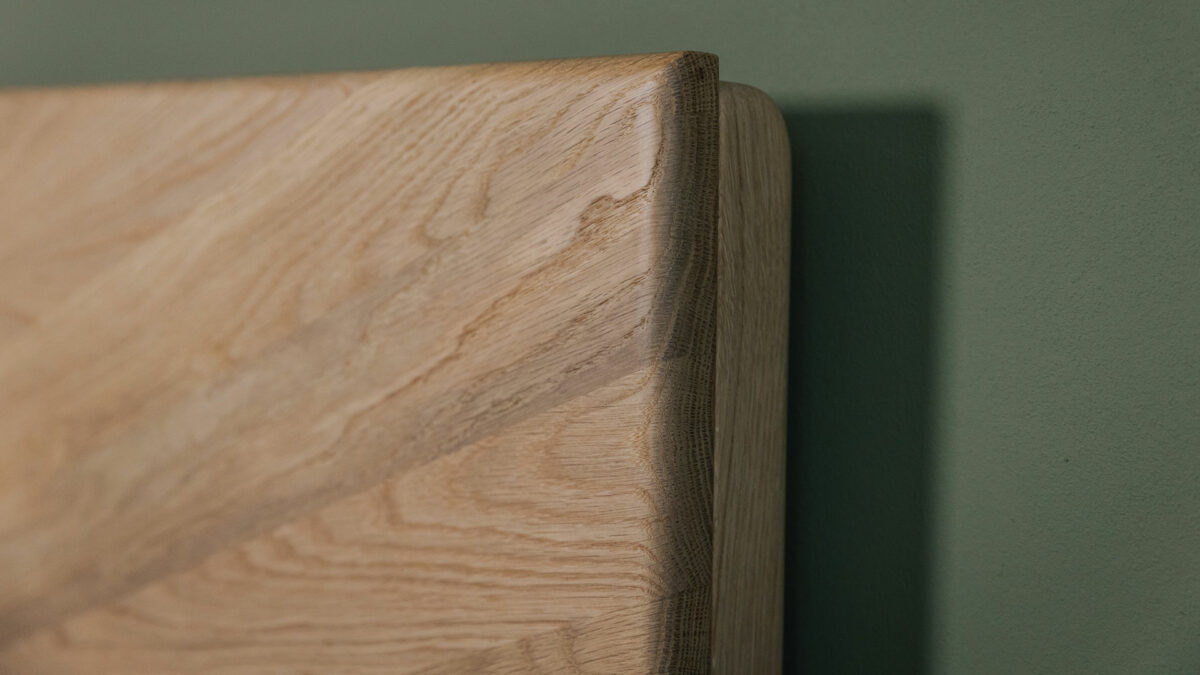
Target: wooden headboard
x,y
466,369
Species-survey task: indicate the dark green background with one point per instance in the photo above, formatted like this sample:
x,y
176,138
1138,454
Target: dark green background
x,y
995,414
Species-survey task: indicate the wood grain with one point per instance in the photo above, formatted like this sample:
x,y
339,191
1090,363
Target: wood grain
x,y
751,383
378,372
70,210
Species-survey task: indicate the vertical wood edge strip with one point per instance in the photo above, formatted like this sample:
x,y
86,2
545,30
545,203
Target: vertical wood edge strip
x,y
750,406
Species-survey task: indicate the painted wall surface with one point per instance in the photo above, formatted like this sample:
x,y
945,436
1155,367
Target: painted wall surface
x,y
995,454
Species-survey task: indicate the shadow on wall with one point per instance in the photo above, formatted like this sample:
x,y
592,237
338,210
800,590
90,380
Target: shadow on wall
x,y
865,240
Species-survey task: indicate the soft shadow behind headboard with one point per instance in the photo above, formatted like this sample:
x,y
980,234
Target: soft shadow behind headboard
x,y
433,370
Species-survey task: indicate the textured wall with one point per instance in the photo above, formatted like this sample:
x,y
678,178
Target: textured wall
x,y
995,465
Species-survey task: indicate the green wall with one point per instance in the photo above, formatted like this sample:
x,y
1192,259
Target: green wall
x,y
995,455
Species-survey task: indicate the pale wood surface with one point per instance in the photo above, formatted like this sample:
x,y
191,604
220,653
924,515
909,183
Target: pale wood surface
x,y
86,175
384,372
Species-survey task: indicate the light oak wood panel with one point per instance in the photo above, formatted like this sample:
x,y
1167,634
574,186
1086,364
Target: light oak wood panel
x,y
547,525
419,377
85,178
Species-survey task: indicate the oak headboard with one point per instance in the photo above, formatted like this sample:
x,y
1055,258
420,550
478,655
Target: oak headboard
x,y
465,369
